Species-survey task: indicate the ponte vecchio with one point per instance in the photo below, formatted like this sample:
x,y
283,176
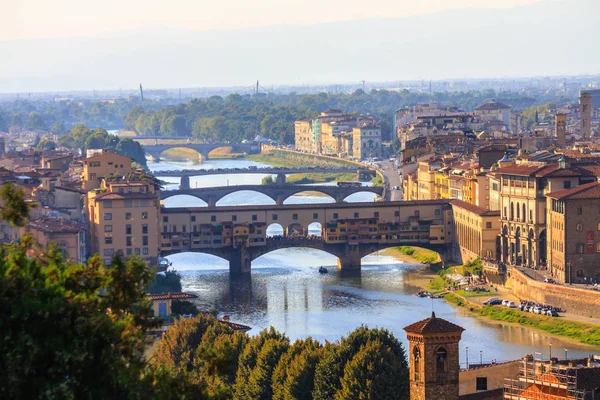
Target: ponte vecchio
x,y
349,231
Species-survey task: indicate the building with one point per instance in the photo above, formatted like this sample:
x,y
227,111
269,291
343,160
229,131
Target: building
x,y
585,114
101,165
69,236
554,380
560,128
124,218
366,140
57,161
475,231
162,303
574,233
303,137
493,111
433,354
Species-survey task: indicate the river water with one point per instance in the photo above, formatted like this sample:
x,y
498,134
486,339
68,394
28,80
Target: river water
x,y
286,291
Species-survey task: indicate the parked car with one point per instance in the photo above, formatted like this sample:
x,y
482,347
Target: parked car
x,y
492,301
549,280
505,302
551,313
537,310
511,304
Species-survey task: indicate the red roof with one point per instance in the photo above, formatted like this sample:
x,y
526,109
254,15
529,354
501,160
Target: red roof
x,y
173,296
433,325
587,191
473,208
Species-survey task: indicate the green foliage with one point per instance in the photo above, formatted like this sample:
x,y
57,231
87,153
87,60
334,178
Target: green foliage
x,y
14,209
73,331
280,158
169,281
268,180
45,144
182,307
378,180
537,114
294,375
423,255
57,127
34,121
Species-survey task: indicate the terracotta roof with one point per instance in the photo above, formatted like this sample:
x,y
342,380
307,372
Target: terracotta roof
x,y
587,191
119,196
100,156
433,325
492,105
522,170
235,326
474,209
55,225
173,296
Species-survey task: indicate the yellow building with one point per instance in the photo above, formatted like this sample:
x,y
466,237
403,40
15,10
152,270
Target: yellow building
x,y
476,230
442,185
426,179
162,303
124,219
68,235
303,136
107,163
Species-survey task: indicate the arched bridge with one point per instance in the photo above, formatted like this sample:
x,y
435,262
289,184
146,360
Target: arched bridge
x,y
279,193
349,231
202,148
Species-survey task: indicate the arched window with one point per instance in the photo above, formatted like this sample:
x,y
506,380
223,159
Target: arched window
x,y
440,360
512,210
518,213
417,363
524,213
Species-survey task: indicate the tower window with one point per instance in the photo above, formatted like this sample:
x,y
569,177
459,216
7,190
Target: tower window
x,y
417,363
481,383
440,356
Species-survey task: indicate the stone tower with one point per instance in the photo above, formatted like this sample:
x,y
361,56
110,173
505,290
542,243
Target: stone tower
x,y
585,114
560,126
433,353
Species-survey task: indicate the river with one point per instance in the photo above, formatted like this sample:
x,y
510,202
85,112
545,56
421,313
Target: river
x,y
286,291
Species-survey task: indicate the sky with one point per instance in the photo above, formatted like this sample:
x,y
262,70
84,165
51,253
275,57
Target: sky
x,y
28,19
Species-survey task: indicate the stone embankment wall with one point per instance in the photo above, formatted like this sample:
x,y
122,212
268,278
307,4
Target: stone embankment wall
x,y
573,300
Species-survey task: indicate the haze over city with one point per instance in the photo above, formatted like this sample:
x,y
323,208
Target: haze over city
x,y
113,44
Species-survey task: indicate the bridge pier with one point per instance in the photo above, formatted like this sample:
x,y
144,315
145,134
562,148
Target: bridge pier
x,y
349,260
280,180
212,201
240,262
280,199
185,183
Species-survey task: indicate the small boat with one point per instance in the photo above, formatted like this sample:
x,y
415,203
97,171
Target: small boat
x,y
323,270
422,293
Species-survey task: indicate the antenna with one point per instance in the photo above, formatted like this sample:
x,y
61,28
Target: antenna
x,y
141,93
363,83
256,88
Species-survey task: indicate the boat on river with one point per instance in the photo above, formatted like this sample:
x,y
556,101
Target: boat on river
x,y
323,270
423,293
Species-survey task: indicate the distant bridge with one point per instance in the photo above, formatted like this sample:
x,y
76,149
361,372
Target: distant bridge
x,y
281,173
279,193
349,231
203,149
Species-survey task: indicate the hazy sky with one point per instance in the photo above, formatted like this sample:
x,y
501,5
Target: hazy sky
x,y
23,19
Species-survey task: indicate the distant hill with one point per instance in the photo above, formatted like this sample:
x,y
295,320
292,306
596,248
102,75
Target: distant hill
x,y
553,37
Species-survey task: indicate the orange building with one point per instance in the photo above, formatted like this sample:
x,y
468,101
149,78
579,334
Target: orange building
x,y
107,163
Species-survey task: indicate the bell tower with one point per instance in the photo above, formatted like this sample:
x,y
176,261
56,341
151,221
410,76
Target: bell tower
x,y
433,354
585,113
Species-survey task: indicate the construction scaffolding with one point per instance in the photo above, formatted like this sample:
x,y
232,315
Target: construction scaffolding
x,y
540,380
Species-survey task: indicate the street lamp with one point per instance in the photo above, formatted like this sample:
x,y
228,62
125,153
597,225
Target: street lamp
x,y
480,357
550,351
467,349
566,357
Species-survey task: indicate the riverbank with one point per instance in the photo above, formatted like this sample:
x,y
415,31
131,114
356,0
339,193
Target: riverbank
x,y
430,279
308,178
278,158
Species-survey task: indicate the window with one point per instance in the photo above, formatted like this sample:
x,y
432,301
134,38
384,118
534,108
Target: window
x,y
376,214
145,229
165,218
128,252
481,383
128,241
213,218
183,228
335,215
396,213
440,360
355,215
107,228
193,218
145,251
579,210
107,216
128,229
144,240
254,217
295,216
567,184
417,363
579,226
108,240
488,225
109,252
144,215
234,217
137,251
275,219
580,248
128,216
315,216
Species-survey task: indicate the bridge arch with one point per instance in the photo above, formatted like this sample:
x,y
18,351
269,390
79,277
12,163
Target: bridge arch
x,y
315,228
301,197
182,151
245,197
361,196
184,200
207,260
275,230
295,230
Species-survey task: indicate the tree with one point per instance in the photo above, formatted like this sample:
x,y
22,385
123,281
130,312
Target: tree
x,y
293,378
268,180
14,209
57,127
34,121
132,149
17,120
46,144
375,372
97,139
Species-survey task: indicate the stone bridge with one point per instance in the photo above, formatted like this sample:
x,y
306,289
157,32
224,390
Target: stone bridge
x,y
203,149
279,172
279,193
349,231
